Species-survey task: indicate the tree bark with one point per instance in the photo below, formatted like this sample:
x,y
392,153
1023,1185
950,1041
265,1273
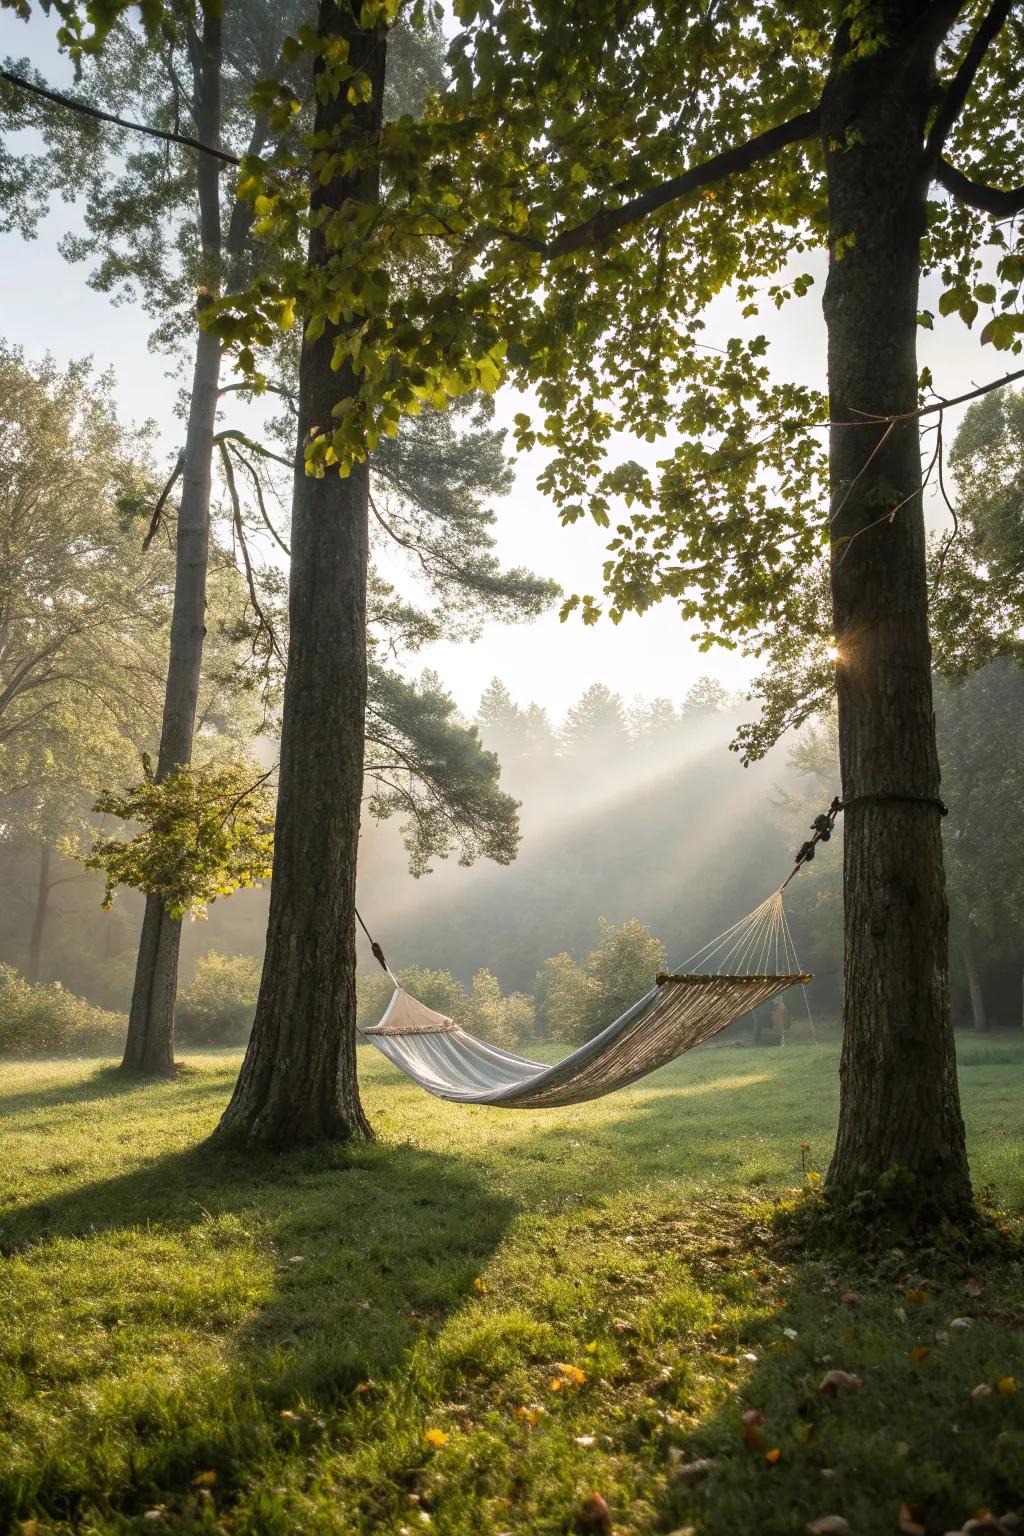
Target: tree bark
x,y
974,987
899,1098
35,940
150,1043
298,1080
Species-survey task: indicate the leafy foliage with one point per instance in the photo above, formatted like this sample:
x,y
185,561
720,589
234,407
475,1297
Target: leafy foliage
x,y
426,765
579,1000
504,1019
980,724
48,1020
217,1006
206,832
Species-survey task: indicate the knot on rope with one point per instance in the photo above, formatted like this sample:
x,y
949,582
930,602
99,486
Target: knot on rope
x,y
823,826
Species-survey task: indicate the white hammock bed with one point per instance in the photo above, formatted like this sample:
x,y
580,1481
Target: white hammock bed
x,y
754,961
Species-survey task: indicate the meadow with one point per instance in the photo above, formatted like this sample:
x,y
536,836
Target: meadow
x,y
485,1319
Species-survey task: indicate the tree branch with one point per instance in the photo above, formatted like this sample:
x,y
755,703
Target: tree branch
x,y
994,200
258,488
960,85
236,510
234,436
154,522
730,162
83,107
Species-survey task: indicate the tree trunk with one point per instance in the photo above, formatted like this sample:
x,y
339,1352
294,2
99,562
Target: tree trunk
x,y
977,995
35,940
150,1044
899,1098
298,1081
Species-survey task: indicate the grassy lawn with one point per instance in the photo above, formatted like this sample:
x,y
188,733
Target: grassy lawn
x,y
471,1325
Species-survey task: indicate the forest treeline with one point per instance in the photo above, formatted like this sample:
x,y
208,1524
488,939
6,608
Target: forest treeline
x,y
641,837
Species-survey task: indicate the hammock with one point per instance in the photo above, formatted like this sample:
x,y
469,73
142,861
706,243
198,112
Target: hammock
x,y
679,1012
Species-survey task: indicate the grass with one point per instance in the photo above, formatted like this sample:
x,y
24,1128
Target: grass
x,y
564,1301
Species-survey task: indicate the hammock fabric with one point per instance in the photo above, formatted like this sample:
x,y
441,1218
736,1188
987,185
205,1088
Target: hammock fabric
x,y
678,1013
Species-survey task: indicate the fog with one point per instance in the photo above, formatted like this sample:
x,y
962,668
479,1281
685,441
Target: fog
x,y
625,812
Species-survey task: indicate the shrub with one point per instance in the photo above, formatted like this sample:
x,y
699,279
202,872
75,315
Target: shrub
x,y
484,1011
218,1005
48,1020
504,1021
579,1000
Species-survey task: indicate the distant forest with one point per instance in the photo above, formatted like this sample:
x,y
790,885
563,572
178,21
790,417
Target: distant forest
x,y
628,810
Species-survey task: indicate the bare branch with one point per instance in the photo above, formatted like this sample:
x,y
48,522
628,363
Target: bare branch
x,y
86,110
1002,204
960,85
234,436
258,488
236,508
154,522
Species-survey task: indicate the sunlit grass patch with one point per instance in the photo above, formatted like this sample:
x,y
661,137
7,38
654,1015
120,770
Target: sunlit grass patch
x,y
483,1317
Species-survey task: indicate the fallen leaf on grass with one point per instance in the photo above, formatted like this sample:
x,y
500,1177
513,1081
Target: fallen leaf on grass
x,y
918,1353
694,1471
594,1514
834,1382
917,1296
436,1438
828,1525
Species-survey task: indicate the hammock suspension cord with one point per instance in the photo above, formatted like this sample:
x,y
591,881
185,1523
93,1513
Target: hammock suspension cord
x,y
823,825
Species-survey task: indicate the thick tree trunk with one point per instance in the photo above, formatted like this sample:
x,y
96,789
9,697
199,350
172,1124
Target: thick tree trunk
x,y
298,1081
974,987
150,1044
35,938
899,1098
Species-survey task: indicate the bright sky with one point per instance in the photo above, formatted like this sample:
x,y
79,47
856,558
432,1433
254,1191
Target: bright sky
x,y
46,305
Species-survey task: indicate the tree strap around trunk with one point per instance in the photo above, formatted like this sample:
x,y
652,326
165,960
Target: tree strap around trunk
x,y
824,824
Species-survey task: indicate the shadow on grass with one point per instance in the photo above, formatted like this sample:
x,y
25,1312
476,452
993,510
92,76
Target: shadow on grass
x,y
862,1408
311,1274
